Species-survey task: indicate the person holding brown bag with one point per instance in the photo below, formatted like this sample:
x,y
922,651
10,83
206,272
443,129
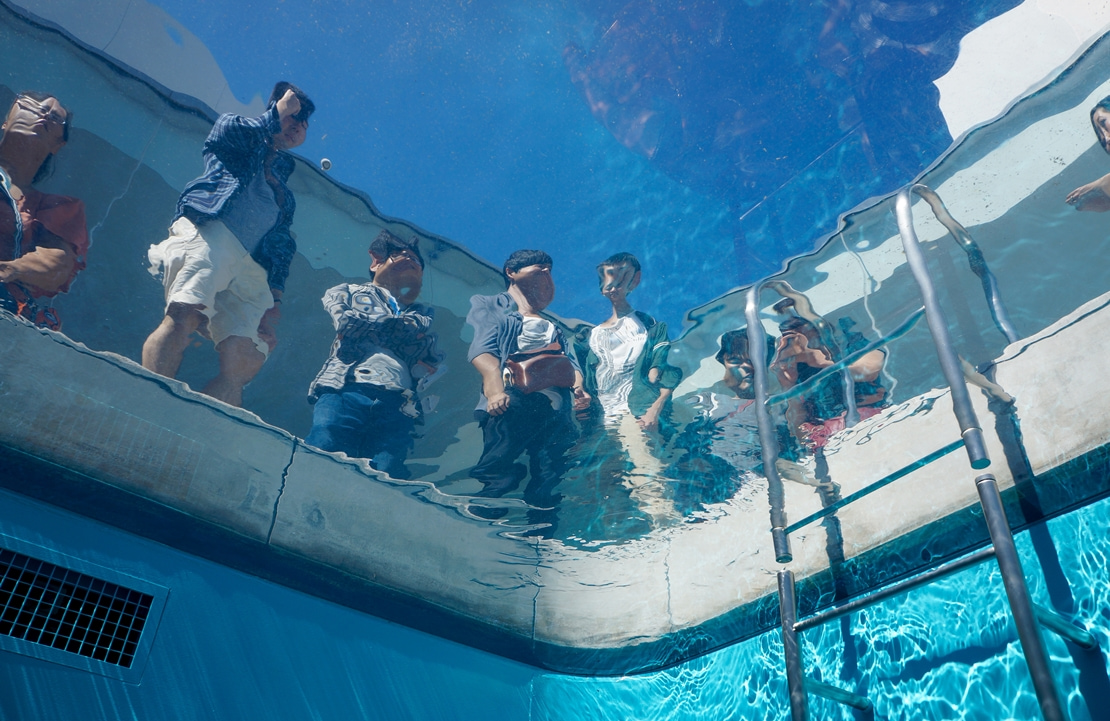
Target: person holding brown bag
x,y
531,384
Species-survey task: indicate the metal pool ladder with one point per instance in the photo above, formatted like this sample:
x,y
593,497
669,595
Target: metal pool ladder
x,y
1028,617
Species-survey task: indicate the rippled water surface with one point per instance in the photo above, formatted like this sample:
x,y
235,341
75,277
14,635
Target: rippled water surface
x,y
946,651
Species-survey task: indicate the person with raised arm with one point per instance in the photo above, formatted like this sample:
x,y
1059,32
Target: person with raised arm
x,y
225,262
1095,196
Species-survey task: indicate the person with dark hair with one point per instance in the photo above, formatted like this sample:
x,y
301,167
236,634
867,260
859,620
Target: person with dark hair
x,y
734,434
625,371
801,352
1095,196
43,237
737,360
624,359
531,384
365,396
225,262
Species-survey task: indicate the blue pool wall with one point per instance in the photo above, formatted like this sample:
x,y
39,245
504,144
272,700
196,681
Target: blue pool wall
x,y
229,645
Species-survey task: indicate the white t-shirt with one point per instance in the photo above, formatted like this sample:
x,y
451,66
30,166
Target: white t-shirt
x,y
617,348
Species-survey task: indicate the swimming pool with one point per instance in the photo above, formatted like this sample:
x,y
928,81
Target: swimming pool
x,y
636,568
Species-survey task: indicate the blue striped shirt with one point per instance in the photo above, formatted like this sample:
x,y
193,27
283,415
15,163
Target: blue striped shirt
x,y
234,154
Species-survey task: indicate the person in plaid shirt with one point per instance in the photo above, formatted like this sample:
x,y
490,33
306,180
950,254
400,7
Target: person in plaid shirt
x,y
225,263
384,351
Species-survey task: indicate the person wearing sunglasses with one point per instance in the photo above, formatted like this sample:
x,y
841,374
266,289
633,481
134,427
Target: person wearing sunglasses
x,y
365,397
43,237
225,262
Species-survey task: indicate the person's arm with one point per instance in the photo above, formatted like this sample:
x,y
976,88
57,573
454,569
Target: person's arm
x,y
868,367
493,383
409,335
582,399
660,373
48,267
1093,196
649,421
235,138
791,350
586,378
353,323
432,357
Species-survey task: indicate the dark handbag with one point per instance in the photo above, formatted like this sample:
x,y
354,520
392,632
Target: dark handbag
x,y
538,371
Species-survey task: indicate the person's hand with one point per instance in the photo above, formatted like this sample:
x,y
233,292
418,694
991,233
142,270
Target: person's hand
x,y
6,272
497,403
649,421
581,398
792,349
288,105
1093,196
784,364
267,327
790,344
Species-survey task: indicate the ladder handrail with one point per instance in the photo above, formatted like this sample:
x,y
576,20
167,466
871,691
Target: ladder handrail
x,y
1025,614
895,589
970,430
875,486
769,447
975,259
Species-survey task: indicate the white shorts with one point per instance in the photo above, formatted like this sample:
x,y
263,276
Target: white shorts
x,y
209,267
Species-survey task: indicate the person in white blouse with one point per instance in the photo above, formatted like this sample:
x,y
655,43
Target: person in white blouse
x,y
625,370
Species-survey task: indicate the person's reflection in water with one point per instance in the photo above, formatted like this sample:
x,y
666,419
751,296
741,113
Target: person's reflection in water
x,y
225,263
1095,196
526,403
801,353
625,369
43,237
722,451
365,395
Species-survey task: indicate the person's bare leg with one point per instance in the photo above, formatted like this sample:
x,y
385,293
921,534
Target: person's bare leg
x,y
240,361
164,348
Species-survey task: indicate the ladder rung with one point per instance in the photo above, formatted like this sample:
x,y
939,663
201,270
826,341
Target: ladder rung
x,y
1063,627
839,695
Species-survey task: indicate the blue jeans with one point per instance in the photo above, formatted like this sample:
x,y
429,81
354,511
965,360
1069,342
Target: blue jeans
x,y
364,422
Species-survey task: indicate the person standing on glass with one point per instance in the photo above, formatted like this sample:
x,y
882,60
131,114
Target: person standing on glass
x,y
225,262
531,384
43,237
624,359
625,370
384,350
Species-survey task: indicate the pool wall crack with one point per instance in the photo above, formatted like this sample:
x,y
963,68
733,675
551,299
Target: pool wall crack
x,y
281,491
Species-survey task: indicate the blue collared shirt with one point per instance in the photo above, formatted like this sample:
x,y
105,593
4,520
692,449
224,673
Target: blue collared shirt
x,y
234,154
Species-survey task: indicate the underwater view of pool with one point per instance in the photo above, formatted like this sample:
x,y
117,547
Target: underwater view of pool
x,y
522,351
948,651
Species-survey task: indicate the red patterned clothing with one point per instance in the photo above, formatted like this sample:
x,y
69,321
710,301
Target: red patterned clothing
x,y
42,214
